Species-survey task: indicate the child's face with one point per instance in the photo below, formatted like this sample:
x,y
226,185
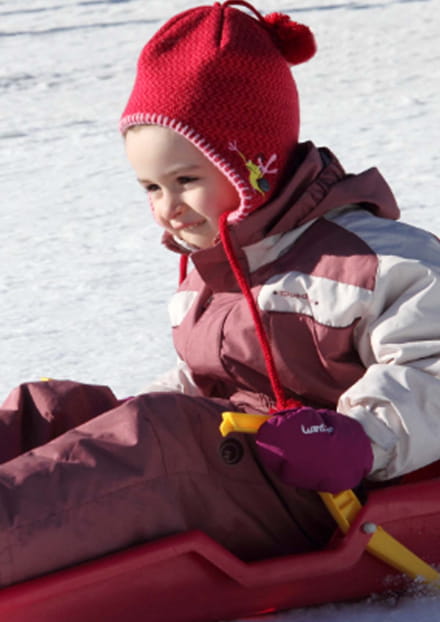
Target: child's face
x,y
187,192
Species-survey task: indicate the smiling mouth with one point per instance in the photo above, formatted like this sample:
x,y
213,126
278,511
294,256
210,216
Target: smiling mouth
x,y
190,226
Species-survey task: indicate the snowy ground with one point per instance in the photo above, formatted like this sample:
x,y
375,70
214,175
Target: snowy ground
x,y
83,278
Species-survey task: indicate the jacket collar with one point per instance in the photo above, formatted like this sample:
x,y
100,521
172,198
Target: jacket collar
x,y
317,185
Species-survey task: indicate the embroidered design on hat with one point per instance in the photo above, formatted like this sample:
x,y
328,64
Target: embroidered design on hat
x,y
257,171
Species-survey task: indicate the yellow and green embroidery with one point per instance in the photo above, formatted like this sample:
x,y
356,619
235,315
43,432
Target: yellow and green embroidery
x,y
258,170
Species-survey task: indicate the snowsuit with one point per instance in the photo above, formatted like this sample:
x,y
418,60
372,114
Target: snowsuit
x,y
329,269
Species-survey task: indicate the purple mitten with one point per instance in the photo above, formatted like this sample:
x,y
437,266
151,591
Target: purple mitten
x,y
315,449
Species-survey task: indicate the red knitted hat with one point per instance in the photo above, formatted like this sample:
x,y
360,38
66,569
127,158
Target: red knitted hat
x,y
221,78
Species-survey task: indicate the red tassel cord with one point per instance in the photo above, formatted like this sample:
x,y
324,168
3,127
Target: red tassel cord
x,y
281,402
183,268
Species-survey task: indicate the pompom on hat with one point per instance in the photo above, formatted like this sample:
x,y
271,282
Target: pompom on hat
x,y
221,78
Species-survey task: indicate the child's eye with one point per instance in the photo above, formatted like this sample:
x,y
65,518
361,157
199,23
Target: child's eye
x,y
151,188
184,179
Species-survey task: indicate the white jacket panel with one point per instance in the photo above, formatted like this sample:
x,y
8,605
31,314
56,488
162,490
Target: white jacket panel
x,y
178,379
398,398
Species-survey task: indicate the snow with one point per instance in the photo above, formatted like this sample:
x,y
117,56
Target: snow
x,y
84,281
391,609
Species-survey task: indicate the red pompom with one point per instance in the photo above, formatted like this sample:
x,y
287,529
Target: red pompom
x,y
295,41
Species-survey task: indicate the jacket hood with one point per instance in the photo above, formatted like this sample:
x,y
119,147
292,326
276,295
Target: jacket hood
x,y
318,185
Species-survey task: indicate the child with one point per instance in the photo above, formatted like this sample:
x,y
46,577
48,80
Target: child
x,y
306,301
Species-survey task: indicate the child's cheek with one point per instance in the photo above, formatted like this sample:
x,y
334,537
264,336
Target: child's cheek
x,y
153,211
156,215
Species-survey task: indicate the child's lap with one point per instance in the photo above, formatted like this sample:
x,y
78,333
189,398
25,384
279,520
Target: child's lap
x,y
147,468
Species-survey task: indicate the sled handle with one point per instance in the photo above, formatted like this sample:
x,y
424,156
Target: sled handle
x,y
344,507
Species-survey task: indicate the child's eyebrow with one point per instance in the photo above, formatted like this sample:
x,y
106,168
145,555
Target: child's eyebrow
x,y
182,167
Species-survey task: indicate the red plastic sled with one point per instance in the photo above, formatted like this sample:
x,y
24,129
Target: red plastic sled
x,y
190,578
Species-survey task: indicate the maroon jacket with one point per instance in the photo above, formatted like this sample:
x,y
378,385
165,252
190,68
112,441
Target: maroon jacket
x,y
213,330
348,298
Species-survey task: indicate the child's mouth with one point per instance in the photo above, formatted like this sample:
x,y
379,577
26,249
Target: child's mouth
x,y
190,226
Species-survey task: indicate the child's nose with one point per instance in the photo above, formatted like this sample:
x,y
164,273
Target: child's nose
x,y
171,205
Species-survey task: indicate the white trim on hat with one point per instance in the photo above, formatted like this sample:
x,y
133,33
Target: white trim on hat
x,y
201,143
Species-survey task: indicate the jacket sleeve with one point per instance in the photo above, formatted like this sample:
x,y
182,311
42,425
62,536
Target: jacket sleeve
x,y
178,379
397,400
